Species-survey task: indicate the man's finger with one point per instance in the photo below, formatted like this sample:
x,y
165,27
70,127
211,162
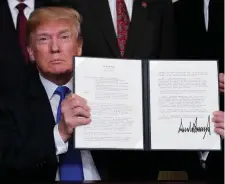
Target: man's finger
x,y
81,112
81,121
74,103
219,131
218,119
77,97
218,113
221,85
221,77
219,125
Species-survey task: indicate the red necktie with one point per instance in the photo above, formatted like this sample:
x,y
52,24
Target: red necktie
x,y
122,25
21,29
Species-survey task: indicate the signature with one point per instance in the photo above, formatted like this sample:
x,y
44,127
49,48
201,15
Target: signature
x,y
194,128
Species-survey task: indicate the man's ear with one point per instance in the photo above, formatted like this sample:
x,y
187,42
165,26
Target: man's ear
x,y
31,53
79,50
79,46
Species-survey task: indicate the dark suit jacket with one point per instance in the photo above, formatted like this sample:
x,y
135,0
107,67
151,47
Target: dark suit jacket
x,y
193,39
27,148
151,32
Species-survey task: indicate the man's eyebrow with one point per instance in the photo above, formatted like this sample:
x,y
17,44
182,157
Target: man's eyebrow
x,y
64,31
42,34
47,34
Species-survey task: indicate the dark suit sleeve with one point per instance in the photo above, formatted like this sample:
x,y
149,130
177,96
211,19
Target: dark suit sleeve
x,y
23,153
168,40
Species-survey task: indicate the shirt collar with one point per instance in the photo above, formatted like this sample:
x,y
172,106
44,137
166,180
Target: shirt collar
x,y
50,87
14,3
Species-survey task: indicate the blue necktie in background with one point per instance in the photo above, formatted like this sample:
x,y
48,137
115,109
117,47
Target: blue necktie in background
x,y
70,168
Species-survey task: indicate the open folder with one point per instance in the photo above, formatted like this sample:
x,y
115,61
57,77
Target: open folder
x,y
147,104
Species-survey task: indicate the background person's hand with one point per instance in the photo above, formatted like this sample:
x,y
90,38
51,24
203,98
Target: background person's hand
x,y
74,112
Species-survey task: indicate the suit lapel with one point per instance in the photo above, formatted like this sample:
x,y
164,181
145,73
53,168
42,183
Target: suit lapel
x,y
140,33
102,14
39,103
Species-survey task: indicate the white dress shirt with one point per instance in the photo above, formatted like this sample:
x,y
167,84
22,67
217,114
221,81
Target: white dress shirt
x,y
112,6
89,169
14,11
206,13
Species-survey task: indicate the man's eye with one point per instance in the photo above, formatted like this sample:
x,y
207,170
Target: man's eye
x,y
43,39
65,37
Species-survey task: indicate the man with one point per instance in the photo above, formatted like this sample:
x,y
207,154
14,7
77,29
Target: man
x,y
204,21
36,127
14,15
127,28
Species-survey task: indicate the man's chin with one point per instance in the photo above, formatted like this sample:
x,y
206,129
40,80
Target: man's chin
x,y
61,72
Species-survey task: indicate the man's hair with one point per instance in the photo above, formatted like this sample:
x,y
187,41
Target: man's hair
x,y
46,14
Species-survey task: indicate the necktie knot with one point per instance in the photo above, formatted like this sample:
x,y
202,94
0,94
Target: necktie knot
x,y
62,91
21,7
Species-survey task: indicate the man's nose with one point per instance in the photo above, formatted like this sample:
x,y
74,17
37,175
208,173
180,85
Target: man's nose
x,y
55,47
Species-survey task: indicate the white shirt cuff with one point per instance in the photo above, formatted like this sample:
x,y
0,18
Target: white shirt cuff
x,y
60,145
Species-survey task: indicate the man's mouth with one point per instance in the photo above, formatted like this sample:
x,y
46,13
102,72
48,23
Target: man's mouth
x,y
55,61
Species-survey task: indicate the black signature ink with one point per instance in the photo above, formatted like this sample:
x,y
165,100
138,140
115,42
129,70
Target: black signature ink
x,y
194,128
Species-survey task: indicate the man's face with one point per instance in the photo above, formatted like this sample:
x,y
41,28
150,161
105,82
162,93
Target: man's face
x,y
52,46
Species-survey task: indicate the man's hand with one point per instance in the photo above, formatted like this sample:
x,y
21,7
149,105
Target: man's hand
x,y
221,82
218,120
74,112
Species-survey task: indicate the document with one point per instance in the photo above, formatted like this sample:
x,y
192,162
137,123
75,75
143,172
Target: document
x,y
183,96
114,93
147,104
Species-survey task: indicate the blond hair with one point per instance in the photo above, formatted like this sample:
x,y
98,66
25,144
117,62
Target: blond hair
x,y
46,14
